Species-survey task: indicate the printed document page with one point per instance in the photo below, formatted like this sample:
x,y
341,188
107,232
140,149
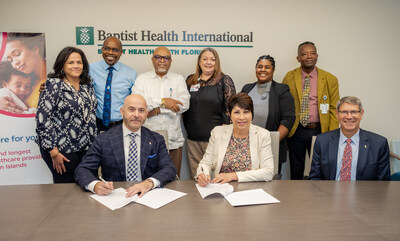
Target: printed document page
x,y
116,199
159,197
250,197
212,188
155,198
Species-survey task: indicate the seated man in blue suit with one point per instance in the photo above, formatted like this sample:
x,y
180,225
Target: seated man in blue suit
x,y
127,152
350,153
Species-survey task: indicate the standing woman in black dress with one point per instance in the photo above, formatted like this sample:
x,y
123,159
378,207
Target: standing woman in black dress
x,y
66,120
209,90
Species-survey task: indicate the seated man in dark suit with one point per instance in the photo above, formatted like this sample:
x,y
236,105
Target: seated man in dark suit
x,y
350,153
128,152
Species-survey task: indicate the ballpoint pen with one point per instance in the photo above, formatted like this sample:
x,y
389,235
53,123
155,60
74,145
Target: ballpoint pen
x,y
202,170
101,179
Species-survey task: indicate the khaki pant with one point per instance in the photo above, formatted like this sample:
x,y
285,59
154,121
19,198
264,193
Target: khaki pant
x,y
195,151
176,156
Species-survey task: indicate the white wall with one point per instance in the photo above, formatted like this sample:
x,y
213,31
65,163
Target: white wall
x,y
357,40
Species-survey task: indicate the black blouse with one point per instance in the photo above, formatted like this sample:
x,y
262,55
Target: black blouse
x,y
208,107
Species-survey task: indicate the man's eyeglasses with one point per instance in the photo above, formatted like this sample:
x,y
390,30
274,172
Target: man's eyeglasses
x,y
159,57
114,50
346,112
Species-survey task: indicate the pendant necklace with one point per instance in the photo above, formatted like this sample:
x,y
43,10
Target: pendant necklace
x,y
81,102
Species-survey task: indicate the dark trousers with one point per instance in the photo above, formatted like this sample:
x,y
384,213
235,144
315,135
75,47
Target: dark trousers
x,y
68,176
101,127
298,144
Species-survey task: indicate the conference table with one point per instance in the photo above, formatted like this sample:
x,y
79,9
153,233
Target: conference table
x,y
308,210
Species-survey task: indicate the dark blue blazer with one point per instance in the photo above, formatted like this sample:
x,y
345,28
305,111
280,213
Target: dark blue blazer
x,y
107,151
373,157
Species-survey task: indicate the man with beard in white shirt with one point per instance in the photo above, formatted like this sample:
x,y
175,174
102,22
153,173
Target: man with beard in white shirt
x,y
167,98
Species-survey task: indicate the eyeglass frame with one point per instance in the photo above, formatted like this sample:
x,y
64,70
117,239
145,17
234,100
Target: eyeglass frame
x,y
159,57
352,112
114,50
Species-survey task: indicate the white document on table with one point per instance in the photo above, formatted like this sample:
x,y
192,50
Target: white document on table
x,y
155,198
212,188
159,197
116,199
250,197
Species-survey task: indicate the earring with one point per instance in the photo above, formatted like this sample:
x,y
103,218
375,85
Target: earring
x,y
62,72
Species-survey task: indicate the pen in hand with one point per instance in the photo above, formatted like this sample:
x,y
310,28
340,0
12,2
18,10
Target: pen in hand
x,y
205,175
104,181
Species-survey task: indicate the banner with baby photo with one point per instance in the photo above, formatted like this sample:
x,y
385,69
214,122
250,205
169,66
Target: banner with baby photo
x,y
22,70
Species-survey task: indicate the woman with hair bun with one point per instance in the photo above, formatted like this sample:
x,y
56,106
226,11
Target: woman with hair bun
x,y
273,104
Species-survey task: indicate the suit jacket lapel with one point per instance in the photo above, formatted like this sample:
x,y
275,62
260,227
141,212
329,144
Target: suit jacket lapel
x,y
299,86
226,136
272,104
321,85
145,148
254,147
363,149
333,155
117,144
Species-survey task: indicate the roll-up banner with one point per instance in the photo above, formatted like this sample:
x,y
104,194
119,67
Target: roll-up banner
x,y
22,70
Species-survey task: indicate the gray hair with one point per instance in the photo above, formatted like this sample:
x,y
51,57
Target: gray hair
x,y
350,100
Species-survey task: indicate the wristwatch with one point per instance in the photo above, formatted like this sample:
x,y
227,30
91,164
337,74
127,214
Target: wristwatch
x,y
162,103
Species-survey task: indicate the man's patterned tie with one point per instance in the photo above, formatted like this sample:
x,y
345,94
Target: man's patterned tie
x,y
132,172
107,98
345,171
305,102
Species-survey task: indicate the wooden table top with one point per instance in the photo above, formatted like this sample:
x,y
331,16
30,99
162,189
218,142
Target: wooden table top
x,y
309,210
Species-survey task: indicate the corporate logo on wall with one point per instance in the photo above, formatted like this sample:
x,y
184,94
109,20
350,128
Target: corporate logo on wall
x,y
143,42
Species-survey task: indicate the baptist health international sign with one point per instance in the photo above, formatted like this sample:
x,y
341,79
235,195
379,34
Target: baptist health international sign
x,y
181,42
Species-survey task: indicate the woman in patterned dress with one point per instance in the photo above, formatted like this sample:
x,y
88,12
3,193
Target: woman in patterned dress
x,y
240,151
66,121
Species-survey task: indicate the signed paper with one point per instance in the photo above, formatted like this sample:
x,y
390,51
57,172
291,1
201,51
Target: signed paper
x,y
212,188
155,198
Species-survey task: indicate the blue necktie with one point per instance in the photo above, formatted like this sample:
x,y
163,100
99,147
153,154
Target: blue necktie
x,y
132,172
107,98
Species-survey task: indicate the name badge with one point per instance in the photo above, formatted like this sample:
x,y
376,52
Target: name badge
x,y
324,108
195,87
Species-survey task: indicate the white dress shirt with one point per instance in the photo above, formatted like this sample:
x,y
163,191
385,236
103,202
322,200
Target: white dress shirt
x,y
153,89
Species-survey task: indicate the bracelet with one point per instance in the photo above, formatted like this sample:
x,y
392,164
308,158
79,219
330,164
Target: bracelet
x,y
56,155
